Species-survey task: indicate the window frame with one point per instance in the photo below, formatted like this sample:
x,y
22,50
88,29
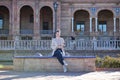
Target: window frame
x,y
2,22
81,25
102,26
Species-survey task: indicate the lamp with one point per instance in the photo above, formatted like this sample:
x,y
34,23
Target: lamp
x,y
55,5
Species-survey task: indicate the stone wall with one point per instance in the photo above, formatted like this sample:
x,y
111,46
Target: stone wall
x,y
50,64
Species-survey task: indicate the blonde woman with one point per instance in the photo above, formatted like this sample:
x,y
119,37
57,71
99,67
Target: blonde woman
x,y
57,45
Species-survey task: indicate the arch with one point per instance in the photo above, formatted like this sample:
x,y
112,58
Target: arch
x,y
46,6
21,6
84,9
5,10
26,20
101,9
106,10
6,6
81,21
105,21
4,14
46,19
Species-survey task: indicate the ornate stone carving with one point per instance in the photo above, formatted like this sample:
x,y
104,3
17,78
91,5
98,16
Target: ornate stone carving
x,y
93,10
117,11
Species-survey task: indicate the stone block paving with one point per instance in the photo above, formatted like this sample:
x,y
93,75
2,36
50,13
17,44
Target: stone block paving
x,y
101,75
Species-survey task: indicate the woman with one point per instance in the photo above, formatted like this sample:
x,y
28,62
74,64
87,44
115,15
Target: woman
x,y
58,49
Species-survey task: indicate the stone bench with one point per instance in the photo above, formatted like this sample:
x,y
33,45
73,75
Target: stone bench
x,y
51,64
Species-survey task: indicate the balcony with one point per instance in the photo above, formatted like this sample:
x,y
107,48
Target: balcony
x,y
4,31
46,31
27,31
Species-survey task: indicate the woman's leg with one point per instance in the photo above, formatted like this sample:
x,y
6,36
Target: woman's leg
x,y
59,56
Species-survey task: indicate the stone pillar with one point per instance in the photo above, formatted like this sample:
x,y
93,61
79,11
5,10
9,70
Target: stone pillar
x,y
18,23
15,19
96,24
114,24
72,24
90,24
36,21
10,23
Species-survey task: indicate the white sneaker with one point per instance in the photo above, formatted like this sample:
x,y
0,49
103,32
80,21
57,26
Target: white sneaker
x,y
64,68
65,63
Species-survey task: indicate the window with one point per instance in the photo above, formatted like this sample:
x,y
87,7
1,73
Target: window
x,y
1,22
80,26
102,26
31,19
45,26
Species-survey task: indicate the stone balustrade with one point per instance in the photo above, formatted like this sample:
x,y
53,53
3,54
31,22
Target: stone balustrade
x,y
69,45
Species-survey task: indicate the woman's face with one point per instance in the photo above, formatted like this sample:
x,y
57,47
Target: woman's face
x,y
58,34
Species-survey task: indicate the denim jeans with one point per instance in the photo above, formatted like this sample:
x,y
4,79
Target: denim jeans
x,y
59,56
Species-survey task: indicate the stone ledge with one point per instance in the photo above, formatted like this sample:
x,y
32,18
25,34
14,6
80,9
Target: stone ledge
x,y
51,64
53,57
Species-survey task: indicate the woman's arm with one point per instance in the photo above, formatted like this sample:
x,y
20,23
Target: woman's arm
x,y
53,44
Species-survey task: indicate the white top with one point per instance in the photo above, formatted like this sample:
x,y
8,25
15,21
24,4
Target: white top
x,y
56,42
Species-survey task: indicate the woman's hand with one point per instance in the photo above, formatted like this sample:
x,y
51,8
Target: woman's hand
x,y
60,46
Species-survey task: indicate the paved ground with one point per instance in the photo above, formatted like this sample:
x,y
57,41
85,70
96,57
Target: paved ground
x,y
103,75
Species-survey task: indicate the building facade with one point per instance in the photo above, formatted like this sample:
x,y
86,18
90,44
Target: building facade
x,y
35,19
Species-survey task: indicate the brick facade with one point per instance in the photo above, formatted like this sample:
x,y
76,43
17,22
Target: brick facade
x,y
17,17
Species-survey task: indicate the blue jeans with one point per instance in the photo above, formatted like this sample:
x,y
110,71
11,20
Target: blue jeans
x,y
59,56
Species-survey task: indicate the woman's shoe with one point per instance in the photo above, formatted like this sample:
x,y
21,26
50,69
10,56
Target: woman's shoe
x,y
64,68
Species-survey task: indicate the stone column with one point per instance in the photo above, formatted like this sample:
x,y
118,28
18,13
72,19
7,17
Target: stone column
x,y
114,24
15,19
10,23
90,24
36,21
72,24
96,24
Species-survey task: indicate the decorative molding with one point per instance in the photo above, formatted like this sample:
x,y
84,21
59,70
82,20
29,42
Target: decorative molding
x,y
93,10
117,10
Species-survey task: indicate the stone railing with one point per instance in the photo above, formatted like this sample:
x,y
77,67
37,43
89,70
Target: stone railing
x,y
69,45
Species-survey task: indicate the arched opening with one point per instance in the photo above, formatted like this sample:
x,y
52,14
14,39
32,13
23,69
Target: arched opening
x,y
81,22
46,20
26,22
4,22
105,22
